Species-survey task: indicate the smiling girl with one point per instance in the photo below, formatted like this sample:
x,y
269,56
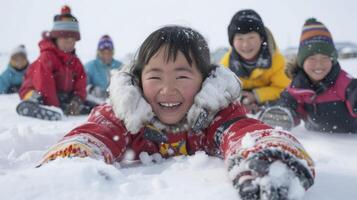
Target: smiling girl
x,y
174,102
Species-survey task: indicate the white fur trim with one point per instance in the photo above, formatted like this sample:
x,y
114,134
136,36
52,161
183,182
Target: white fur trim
x,y
218,90
128,102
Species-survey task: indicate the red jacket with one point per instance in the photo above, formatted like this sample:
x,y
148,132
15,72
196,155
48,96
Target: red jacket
x,y
129,125
104,126
54,72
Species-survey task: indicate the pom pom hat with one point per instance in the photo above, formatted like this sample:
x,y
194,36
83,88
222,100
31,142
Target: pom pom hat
x,y
65,25
315,38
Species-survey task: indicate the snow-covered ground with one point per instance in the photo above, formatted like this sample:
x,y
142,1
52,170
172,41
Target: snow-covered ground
x,y
24,140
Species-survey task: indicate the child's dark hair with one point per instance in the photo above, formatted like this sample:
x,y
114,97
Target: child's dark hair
x,y
175,38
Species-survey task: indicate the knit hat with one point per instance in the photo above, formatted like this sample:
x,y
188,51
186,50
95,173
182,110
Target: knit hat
x,y
245,21
19,50
315,38
105,42
65,25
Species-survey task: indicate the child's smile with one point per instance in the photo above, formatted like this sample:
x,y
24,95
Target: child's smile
x,y
170,86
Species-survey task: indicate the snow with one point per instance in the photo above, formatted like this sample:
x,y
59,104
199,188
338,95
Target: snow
x,y
23,141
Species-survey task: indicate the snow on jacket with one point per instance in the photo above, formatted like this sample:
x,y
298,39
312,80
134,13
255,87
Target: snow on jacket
x,y
216,123
266,83
98,73
330,106
54,72
11,78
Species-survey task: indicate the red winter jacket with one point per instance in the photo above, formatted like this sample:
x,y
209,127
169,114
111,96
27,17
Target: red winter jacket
x,y
104,126
54,72
217,125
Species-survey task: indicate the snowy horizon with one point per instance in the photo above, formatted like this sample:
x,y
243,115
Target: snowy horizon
x,y
23,140
130,22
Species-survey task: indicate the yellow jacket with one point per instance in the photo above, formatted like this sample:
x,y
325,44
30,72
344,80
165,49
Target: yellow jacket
x,y
266,84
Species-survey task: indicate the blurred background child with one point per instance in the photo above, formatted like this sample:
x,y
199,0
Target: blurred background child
x,y
11,79
57,77
98,70
321,93
255,58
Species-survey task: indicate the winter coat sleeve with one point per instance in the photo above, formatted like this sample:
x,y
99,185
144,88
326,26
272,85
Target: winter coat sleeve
x,y
351,96
276,80
5,83
103,137
80,81
240,140
43,79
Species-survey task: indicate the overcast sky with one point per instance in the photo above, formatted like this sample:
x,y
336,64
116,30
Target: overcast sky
x,y
129,22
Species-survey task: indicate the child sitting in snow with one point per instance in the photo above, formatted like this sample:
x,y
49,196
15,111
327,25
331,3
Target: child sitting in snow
x,y
11,78
255,58
321,93
57,78
174,102
98,70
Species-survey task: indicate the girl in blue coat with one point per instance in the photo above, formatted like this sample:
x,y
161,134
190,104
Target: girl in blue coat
x,y
11,78
98,70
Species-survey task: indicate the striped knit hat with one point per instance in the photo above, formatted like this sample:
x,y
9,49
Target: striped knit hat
x,y
315,38
65,25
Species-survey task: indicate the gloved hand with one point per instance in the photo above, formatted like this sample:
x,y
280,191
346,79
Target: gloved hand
x,y
249,101
255,181
277,116
74,107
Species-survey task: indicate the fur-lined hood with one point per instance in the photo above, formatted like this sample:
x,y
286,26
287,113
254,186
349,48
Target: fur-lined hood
x,y
292,68
218,90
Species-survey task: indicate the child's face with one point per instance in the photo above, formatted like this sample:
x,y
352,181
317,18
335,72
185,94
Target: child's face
x,y
247,45
66,44
170,87
106,55
18,61
317,66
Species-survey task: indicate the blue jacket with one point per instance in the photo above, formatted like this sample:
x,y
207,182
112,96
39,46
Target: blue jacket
x,y
11,79
98,73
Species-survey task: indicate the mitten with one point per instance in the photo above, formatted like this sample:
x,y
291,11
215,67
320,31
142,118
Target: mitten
x,y
79,146
277,116
270,164
74,107
249,101
257,181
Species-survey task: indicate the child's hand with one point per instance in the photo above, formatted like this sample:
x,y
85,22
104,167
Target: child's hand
x,y
74,106
249,101
248,98
257,178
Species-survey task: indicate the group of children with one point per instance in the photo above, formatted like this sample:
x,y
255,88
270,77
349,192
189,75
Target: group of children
x,y
173,101
56,83
312,87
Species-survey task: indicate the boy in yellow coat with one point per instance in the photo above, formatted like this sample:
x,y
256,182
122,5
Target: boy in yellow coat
x,y
255,59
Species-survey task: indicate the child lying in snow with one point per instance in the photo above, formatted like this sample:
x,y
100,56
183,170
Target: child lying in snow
x,y
174,102
321,93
